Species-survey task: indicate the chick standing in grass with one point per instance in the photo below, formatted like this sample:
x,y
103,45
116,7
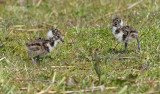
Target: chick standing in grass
x,y
124,33
40,46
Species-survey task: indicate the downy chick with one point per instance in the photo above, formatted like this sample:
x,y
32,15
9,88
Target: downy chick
x,y
40,46
124,34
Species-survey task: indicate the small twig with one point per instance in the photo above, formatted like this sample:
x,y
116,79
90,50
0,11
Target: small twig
x,y
9,63
2,58
69,67
87,90
19,79
151,82
156,5
24,88
117,11
48,24
50,86
53,12
39,3
1,18
111,88
119,58
26,69
62,66
18,29
32,30
101,58
152,92
6,60
18,26
134,4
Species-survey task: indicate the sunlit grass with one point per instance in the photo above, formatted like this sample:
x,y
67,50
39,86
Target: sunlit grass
x,y
86,29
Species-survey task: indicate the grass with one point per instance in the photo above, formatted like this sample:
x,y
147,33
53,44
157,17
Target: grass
x,y
85,25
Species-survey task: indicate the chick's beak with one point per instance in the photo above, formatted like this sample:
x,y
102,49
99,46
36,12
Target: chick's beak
x,y
62,40
110,27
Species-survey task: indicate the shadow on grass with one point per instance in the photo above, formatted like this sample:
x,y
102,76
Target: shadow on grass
x,y
118,51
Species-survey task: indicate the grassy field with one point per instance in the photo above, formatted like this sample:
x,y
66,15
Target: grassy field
x,y
88,41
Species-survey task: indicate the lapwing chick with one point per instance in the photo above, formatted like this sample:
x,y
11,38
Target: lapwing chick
x,y
124,34
41,46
